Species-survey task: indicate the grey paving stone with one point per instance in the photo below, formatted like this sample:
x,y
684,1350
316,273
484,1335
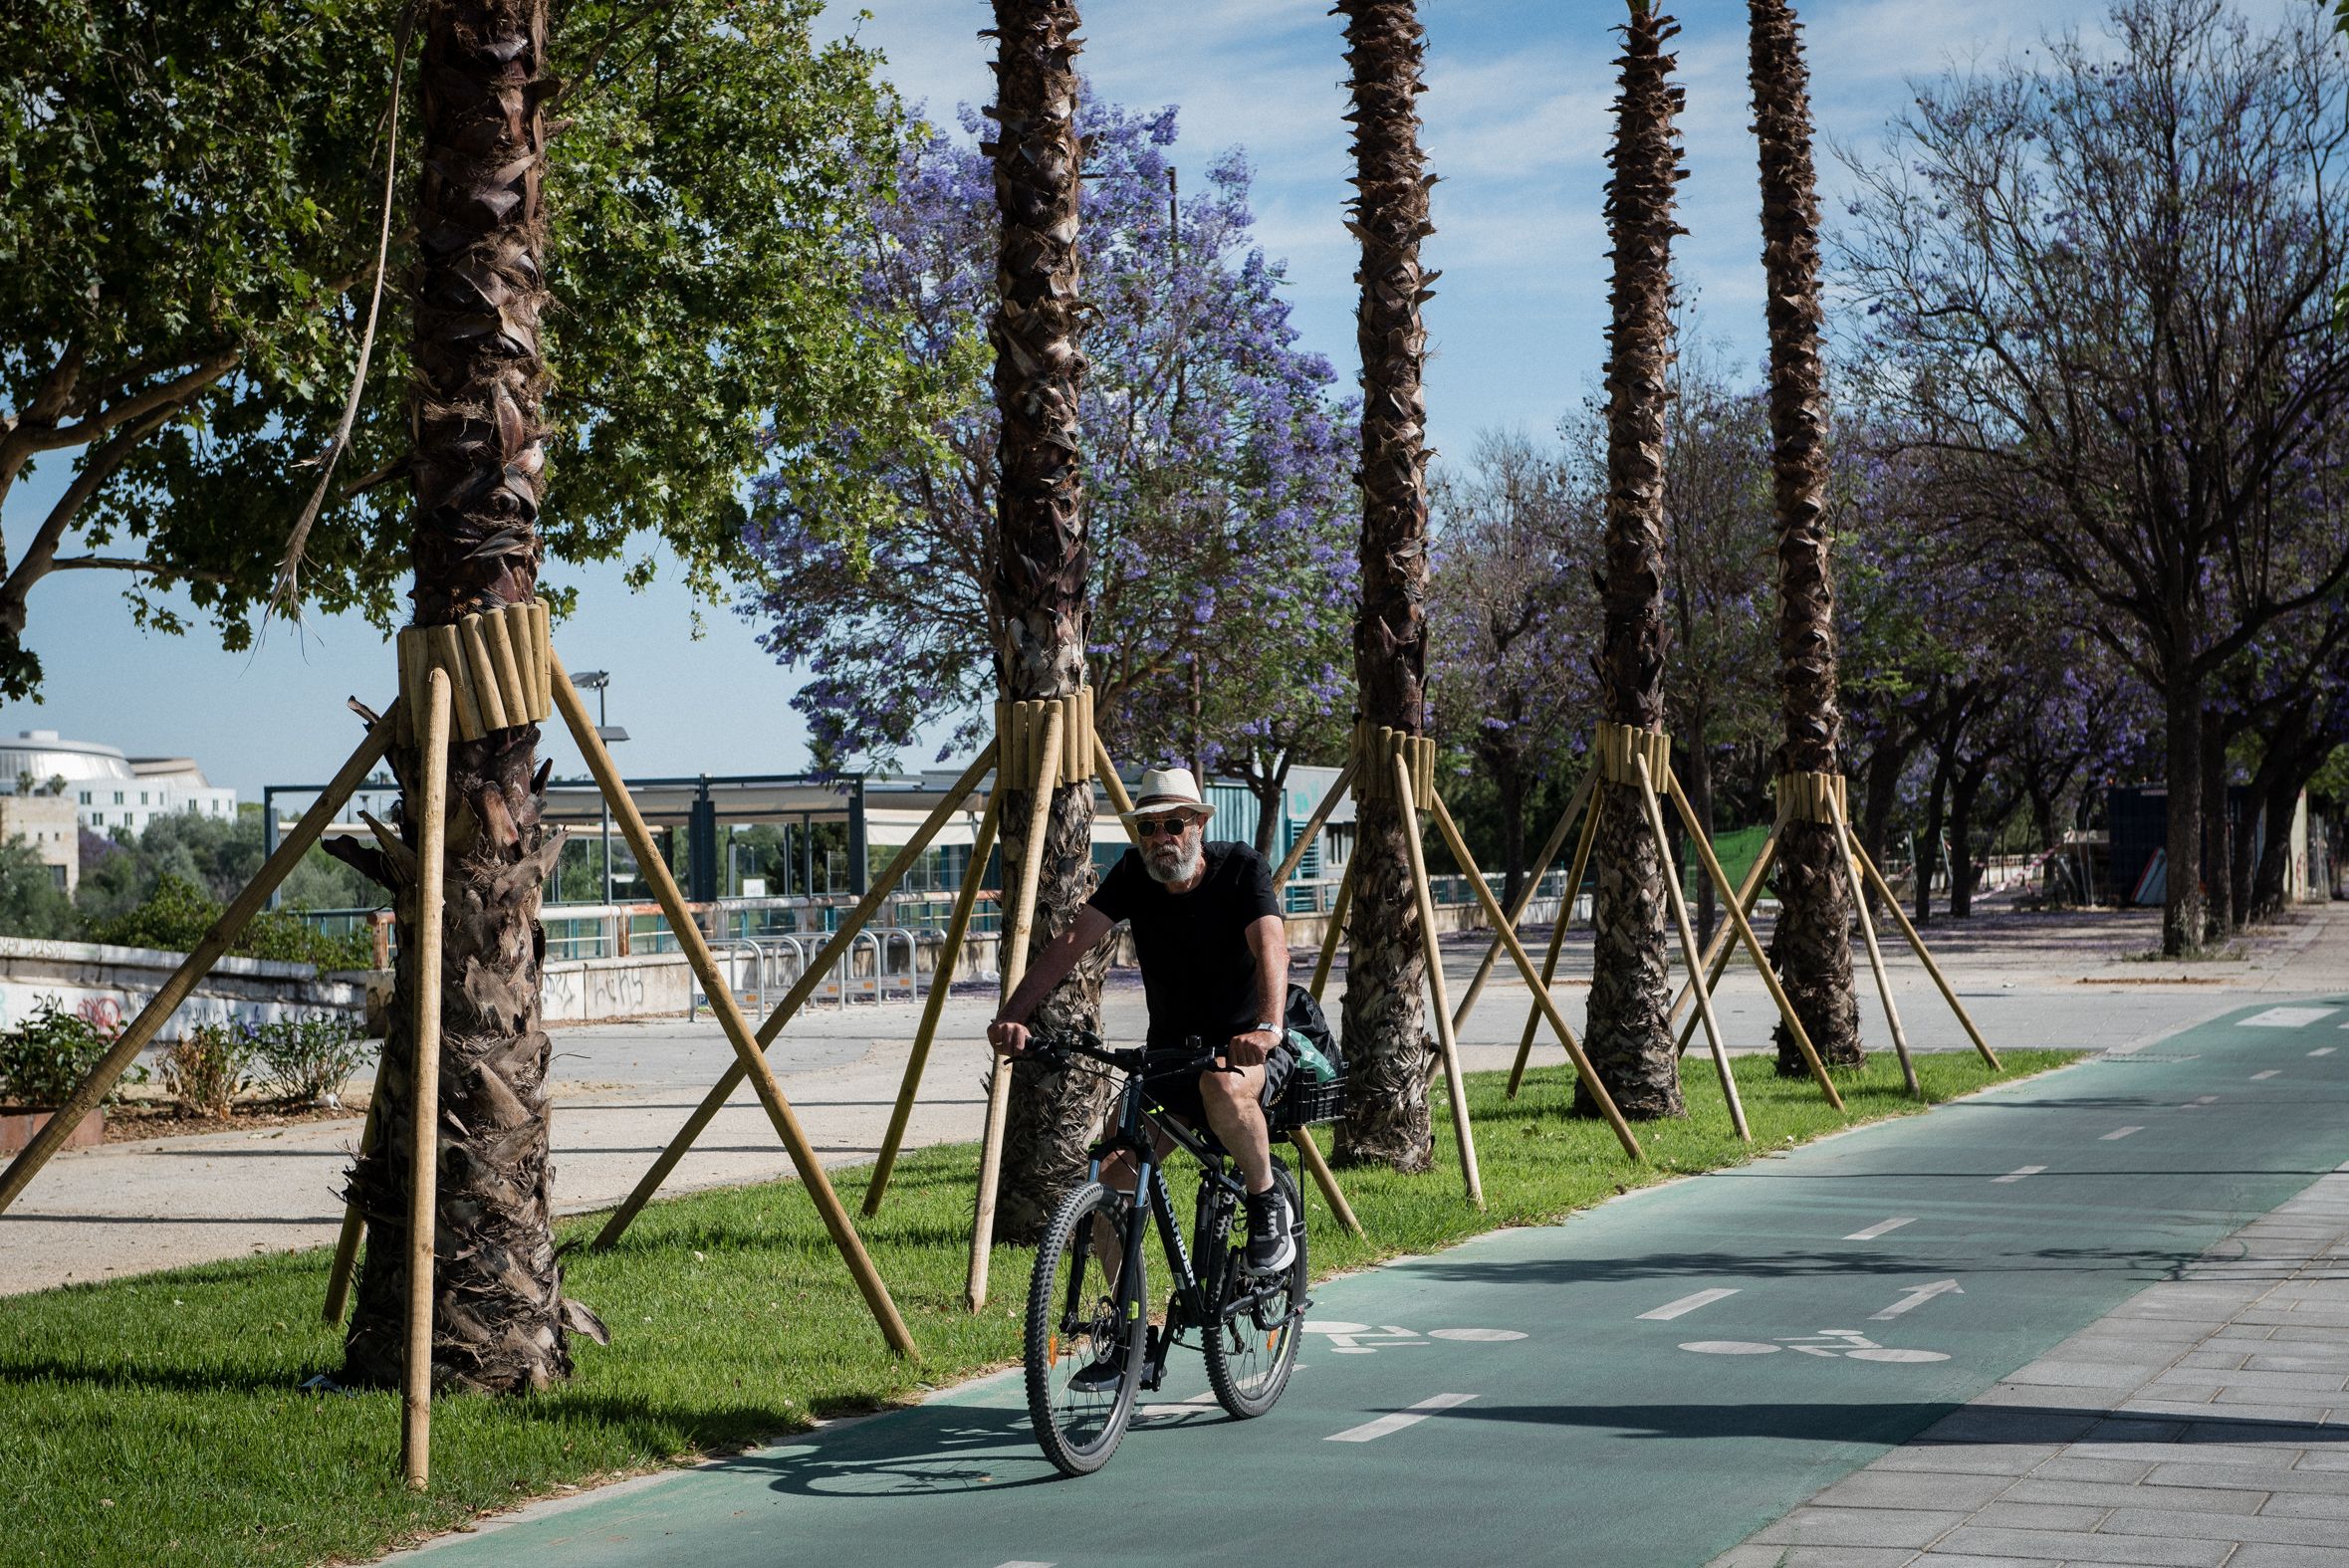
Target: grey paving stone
x,y
1910,1528
2321,1380
2280,1529
1757,1555
2005,1514
2007,1426
2038,1396
2309,1506
2081,1546
1969,1560
2084,1374
2118,1473
2325,1459
2135,1431
2104,1494
1968,1458
2244,1476
2302,1357
2223,1361
2283,1434
1881,1488
2260,1554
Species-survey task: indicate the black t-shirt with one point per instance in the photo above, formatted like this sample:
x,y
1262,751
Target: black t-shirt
x,y
1198,971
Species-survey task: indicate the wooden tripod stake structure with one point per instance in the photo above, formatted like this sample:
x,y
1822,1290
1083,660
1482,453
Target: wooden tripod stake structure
x,y
1011,965
415,1426
1444,1039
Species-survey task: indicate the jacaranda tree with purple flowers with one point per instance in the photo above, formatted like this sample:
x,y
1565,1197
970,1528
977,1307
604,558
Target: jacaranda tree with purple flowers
x,y
1217,471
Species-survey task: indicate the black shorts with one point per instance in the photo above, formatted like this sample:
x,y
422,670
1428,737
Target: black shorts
x,y
1179,1092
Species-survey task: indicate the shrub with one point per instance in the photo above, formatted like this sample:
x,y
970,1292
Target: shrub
x,y
43,1058
205,1070
309,1060
176,916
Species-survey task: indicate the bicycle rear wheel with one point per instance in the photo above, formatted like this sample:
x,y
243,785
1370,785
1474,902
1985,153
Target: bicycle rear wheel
x,y
1252,1322
1075,1322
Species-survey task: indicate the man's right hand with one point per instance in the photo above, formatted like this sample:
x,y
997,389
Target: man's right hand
x,y
1009,1039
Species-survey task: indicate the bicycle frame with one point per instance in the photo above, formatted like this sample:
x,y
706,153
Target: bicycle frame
x,y
1187,1306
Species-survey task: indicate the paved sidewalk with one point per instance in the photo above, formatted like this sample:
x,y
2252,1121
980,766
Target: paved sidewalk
x,y
2204,1423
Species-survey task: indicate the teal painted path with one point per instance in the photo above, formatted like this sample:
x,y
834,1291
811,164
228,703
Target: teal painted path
x,y
1646,1384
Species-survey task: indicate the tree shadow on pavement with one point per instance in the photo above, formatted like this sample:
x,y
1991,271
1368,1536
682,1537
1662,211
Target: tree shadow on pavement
x,y
1893,1422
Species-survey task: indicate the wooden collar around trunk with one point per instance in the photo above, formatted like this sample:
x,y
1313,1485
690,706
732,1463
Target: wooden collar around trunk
x,y
497,663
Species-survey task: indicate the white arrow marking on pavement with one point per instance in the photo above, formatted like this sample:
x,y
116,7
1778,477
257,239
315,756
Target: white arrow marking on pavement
x,y
2287,1018
1880,1228
1917,1297
2122,1132
2019,1174
2326,1050
1370,1431
1685,1306
2269,1073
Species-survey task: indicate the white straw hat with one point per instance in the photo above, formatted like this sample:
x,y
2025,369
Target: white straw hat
x,y
1166,789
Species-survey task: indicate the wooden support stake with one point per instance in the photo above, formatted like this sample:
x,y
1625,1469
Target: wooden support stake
x,y
415,1426
1524,964
481,677
1558,940
354,1222
1516,909
1454,1087
1876,878
1770,976
749,1054
810,978
1717,953
1860,899
94,1086
1304,840
958,926
1688,947
1012,966
1335,931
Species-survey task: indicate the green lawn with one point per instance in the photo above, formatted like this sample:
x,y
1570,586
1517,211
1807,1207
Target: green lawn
x,y
158,1418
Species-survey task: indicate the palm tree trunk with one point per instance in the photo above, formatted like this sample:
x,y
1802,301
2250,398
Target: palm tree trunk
x,y
1386,1042
1630,1038
498,1309
1811,944
1042,564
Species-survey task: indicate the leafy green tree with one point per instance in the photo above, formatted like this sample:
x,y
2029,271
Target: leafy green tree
x,y
31,902
189,199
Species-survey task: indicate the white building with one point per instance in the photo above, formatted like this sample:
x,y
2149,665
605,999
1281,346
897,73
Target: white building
x,y
112,793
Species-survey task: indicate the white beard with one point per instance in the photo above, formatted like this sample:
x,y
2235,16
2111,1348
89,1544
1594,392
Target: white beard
x,y
1184,866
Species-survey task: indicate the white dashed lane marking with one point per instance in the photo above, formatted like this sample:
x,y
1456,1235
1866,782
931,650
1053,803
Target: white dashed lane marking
x,y
1880,1228
2269,1073
2019,1174
1685,1306
1385,1425
2326,1050
2121,1132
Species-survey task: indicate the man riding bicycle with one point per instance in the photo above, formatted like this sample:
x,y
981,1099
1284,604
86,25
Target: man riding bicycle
x,y
1214,952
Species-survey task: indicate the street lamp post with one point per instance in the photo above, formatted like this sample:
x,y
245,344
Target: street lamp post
x,y
600,682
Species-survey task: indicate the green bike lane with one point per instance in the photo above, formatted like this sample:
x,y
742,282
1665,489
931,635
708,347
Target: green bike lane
x,y
1648,1383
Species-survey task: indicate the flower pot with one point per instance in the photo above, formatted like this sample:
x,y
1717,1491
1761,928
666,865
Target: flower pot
x,y
19,1127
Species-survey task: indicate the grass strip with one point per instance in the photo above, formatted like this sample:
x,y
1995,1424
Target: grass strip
x,y
159,1419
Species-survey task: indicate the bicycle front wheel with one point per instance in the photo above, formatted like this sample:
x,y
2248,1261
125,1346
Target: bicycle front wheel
x,y
1253,1322
1085,1343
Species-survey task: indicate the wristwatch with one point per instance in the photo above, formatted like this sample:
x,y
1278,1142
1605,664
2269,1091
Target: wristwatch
x,y
1265,1029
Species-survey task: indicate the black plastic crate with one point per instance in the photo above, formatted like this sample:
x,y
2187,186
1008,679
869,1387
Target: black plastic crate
x,y
1306,1102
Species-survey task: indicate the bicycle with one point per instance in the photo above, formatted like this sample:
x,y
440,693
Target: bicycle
x,y
1078,1317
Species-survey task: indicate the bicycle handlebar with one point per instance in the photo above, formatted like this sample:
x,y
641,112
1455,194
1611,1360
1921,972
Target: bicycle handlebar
x,y
1133,1058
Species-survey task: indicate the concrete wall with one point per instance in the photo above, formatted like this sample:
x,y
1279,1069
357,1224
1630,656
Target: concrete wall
x,y
109,985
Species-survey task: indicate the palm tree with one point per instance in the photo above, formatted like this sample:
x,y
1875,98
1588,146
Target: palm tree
x,y
1387,1048
1041,558
1630,1039
1811,947
498,1309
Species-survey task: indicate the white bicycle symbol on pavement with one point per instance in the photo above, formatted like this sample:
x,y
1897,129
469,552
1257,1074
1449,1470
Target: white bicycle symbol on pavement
x,y
1845,1342
1363,1339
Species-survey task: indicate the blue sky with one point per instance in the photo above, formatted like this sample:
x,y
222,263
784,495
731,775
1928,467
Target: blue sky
x,y
1517,118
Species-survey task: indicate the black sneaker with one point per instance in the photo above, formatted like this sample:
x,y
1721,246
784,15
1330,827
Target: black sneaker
x,y
1271,1248
1108,1370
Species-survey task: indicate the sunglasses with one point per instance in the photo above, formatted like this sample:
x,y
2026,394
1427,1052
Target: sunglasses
x,y
1171,826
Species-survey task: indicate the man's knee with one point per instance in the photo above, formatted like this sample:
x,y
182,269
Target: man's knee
x,y
1242,1088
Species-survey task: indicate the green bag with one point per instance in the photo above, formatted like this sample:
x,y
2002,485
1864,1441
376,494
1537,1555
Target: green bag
x,y
1309,1057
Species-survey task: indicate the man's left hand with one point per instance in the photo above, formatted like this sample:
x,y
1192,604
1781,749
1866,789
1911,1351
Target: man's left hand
x,y
1251,1049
